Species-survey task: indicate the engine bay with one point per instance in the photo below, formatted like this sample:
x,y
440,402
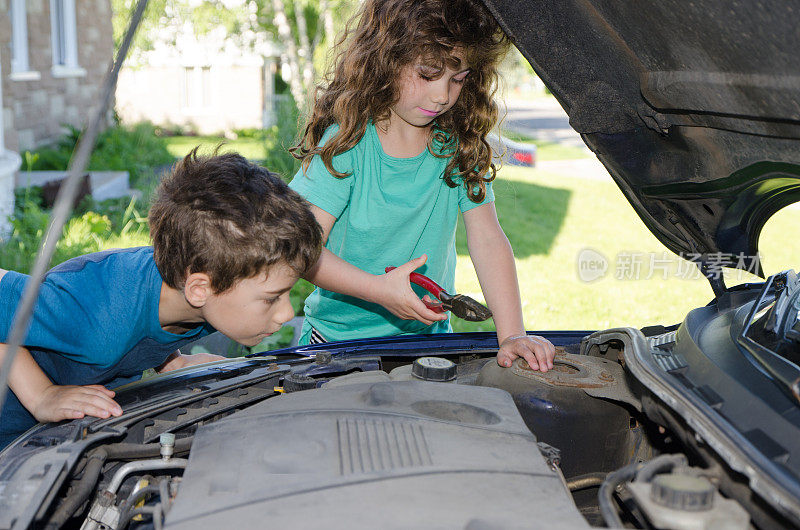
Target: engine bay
x,y
407,434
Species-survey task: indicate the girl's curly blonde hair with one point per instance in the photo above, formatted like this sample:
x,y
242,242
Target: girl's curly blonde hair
x,y
384,37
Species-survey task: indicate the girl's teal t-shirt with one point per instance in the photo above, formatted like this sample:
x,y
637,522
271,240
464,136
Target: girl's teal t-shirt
x,y
388,211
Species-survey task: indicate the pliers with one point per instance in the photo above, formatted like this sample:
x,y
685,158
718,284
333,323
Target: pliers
x,y
460,305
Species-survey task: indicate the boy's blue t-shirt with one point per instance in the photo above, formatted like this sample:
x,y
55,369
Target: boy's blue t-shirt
x,y
95,322
388,211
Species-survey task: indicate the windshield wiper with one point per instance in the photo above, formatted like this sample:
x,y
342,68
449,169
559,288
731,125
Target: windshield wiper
x,y
785,287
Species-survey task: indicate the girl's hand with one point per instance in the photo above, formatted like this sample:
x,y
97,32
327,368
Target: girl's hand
x,y
71,402
395,294
538,351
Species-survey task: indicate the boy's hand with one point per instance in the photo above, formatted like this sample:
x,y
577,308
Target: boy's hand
x,y
396,295
71,402
538,351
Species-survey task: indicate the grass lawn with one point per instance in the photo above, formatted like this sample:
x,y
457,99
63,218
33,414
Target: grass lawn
x,y
549,218
256,149
250,148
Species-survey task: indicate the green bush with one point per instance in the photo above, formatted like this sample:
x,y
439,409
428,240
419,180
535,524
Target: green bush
x,y
94,227
299,293
280,137
256,134
137,149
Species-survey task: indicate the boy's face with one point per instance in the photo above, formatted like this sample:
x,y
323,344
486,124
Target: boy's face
x,y
426,92
253,308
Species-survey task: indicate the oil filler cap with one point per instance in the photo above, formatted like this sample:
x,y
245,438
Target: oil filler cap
x,y
433,369
682,492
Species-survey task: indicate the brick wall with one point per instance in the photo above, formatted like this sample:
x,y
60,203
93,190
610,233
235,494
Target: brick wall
x,y
34,110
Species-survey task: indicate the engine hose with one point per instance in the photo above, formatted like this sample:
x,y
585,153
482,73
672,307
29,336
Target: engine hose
x,y
128,515
131,451
163,491
94,465
605,497
589,480
83,488
660,463
158,516
129,504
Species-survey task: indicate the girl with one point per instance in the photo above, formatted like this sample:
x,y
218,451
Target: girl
x,y
395,146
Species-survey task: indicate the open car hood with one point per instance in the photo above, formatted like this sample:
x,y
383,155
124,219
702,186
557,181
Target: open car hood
x,y
693,107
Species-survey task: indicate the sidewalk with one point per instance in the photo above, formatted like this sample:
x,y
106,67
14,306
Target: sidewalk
x,y
544,119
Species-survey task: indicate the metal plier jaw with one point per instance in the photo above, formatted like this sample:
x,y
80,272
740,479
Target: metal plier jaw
x,y
460,305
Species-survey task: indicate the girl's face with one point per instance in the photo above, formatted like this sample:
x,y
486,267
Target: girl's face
x,y
427,92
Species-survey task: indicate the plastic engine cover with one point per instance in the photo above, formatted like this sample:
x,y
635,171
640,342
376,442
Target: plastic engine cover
x,y
402,454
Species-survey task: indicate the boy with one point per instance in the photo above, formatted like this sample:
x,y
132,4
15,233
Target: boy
x,y
230,240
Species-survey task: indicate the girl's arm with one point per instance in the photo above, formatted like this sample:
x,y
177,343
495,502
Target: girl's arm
x,y
391,290
49,402
493,259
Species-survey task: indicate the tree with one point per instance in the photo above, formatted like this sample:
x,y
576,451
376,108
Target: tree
x,y
303,27
166,22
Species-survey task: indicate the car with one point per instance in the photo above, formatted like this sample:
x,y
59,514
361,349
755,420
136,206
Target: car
x,y
694,109
510,152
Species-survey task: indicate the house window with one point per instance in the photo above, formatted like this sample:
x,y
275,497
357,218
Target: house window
x,y
196,87
20,69
64,38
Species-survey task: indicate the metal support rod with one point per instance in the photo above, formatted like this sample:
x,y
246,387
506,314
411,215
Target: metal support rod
x,y
63,206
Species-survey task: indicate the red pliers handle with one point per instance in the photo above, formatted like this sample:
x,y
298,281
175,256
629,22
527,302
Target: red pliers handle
x,y
429,285
460,305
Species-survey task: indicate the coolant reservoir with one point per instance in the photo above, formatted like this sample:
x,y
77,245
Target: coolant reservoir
x,y
687,502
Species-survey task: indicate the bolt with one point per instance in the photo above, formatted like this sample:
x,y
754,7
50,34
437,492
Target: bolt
x,y
167,441
323,357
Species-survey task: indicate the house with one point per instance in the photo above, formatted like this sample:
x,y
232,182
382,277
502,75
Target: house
x,y
54,55
206,83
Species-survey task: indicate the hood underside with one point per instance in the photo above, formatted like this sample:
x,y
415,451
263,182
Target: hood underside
x,y
693,107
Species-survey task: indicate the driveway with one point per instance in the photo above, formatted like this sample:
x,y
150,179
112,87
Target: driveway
x,y
544,119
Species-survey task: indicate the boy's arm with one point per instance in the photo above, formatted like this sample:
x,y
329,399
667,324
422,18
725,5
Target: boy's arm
x,y
391,290
49,402
177,360
493,259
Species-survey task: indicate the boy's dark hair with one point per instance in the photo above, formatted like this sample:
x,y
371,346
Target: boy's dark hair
x,y
230,219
